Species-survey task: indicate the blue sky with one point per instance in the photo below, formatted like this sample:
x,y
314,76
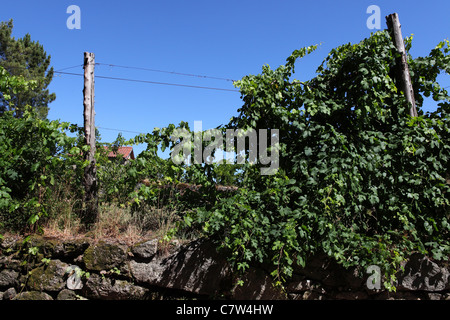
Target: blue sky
x,y
227,39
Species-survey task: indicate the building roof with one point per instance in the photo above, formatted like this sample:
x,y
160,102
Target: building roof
x,y
126,152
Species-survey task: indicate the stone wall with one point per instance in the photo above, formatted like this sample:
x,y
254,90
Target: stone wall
x,y
46,269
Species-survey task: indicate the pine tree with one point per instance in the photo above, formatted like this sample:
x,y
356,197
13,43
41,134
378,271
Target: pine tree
x,y
27,58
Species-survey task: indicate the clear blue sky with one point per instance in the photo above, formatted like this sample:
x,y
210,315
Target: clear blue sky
x,y
226,39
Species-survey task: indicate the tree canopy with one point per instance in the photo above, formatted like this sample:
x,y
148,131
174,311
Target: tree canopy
x,y
28,59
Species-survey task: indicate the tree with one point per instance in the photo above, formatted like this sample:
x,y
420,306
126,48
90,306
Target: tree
x,y
26,58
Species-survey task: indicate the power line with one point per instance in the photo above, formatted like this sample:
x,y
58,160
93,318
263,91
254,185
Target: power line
x,y
151,82
78,65
120,130
112,129
154,70
169,72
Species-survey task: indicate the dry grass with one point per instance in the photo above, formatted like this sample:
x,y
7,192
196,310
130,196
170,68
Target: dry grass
x,y
62,219
114,222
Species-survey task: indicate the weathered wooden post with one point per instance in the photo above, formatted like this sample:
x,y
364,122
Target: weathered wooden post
x,y
404,77
90,172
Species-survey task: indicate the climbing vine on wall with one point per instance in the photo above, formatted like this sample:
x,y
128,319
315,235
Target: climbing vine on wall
x,y
359,179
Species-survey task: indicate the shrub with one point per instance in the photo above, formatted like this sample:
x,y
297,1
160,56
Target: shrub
x,y
34,156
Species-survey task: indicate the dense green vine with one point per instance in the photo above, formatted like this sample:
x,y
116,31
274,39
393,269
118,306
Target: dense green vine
x,y
359,179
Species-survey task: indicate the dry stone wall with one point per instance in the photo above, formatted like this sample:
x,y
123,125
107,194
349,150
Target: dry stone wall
x,y
46,269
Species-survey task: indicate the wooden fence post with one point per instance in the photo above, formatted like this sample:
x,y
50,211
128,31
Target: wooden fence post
x,y
90,172
404,77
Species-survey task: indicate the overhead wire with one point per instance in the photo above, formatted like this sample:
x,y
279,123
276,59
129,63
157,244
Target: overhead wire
x,y
164,71
112,129
61,71
151,82
78,65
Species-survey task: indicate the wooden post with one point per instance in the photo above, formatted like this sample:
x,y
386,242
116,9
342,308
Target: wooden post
x,y
404,77
90,172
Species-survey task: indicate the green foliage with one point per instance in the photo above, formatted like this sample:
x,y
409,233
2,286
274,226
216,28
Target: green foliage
x,y
12,83
359,179
28,59
30,155
228,174
34,156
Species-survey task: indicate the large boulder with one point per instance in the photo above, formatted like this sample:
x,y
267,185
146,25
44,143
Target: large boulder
x,y
104,256
48,277
98,287
196,267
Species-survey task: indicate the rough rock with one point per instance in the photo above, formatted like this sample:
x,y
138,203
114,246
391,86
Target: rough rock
x,y
104,256
149,273
304,285
9,243
9,294
433,296
146,249
196,267
9,262
324,269
48,277
98,287
311,295
70,249
8,278
351,295
66,294
423,274
258,285
33,295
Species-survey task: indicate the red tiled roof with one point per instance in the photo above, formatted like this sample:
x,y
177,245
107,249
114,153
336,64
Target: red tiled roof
x,y
126,152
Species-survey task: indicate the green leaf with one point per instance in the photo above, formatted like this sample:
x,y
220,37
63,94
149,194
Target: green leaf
x,y
35,166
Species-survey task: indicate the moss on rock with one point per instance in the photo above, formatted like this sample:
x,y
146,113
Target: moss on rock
x,y
67,295
49,277
33,295
104,256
